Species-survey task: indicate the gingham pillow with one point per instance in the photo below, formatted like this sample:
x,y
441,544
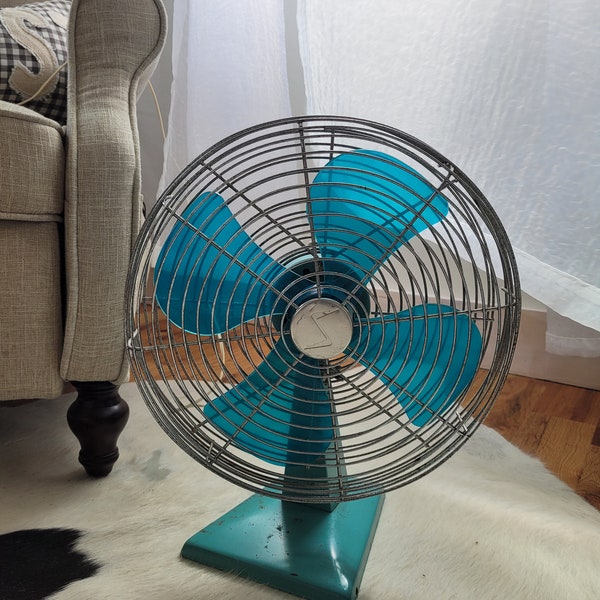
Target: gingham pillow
x,y
33,45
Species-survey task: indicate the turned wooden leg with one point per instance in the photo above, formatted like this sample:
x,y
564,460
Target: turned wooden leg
x,y
97,417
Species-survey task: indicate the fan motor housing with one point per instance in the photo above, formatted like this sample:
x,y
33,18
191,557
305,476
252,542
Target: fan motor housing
x,y
321,328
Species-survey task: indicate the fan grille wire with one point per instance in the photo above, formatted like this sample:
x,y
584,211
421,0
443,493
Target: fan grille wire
x,y
264,176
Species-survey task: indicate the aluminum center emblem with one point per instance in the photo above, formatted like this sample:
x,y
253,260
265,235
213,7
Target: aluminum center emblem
x,y
321,328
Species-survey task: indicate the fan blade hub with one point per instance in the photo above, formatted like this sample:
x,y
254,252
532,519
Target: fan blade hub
x,y
321,328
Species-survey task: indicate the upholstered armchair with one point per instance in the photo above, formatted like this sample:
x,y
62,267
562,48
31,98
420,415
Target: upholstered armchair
x,y
70,208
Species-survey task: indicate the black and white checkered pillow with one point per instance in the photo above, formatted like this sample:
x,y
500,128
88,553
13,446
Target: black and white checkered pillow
x,y
43,42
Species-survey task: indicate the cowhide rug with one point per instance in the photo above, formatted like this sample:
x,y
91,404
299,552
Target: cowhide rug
x,y
490,523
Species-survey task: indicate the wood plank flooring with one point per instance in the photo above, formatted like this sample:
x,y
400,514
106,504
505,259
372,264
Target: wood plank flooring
x,y
559,424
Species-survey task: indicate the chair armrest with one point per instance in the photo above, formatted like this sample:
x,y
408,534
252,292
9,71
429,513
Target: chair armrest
x,y
113,48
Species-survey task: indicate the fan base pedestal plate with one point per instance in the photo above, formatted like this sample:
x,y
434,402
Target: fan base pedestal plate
x,y
293,547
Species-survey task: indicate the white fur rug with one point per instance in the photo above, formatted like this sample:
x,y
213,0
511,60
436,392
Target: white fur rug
x,y
490,523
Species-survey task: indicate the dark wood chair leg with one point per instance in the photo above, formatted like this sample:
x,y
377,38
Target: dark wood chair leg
x,y
97,417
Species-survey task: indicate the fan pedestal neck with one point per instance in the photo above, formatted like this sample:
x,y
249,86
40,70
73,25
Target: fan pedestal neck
x,y
97,417
292,547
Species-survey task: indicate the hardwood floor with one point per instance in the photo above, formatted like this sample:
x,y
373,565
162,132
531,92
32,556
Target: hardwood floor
x,y
559,424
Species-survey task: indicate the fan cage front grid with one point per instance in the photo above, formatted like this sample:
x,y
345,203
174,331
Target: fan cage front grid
x,y
264,175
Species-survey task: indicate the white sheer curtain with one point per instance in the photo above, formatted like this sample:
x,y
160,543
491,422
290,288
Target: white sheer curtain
x,y
229,72
507,89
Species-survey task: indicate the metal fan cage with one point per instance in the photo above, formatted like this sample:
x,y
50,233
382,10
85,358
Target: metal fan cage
x,y
264,175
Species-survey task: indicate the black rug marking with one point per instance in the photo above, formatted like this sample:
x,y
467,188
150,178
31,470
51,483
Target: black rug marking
x,y
35,563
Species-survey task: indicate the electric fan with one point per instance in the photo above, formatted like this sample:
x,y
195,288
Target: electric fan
x,y
309,306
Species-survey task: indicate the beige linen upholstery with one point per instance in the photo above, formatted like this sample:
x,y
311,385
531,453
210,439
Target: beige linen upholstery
x,y
31,341
32,163
111,48
70,206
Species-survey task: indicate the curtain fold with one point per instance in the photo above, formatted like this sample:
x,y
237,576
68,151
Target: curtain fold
x,y
229,73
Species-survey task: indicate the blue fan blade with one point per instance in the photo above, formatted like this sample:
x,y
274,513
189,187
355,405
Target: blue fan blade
x,y
427,355
199,286
366,204
280,413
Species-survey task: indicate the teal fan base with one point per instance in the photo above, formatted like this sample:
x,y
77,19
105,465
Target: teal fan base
x,y
297,548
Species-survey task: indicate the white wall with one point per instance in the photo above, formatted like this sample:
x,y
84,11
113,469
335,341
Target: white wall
x,y
151,140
